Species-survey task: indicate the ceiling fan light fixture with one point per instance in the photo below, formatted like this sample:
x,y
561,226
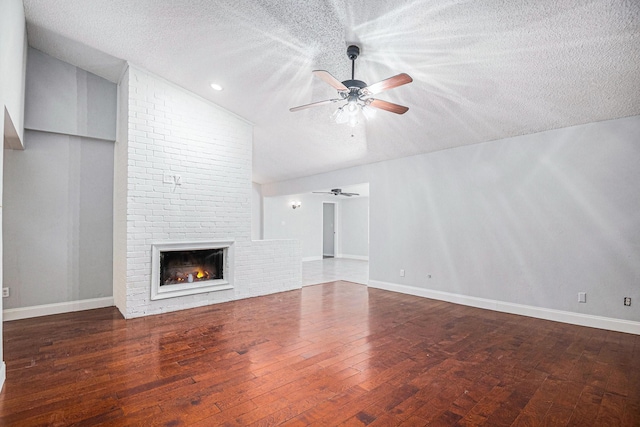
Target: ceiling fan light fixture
x,y
357,94
351,111
348,113
352,105
340,115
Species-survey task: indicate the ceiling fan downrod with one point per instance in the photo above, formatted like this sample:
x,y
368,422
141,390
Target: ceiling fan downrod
x,y
352,53
353,85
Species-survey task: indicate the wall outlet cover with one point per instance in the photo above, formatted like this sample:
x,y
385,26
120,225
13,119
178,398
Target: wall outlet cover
x,y
582,297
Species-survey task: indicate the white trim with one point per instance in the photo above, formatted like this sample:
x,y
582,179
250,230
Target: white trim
x,y
358,257
592,321
312,258
55,308
3,374
197,287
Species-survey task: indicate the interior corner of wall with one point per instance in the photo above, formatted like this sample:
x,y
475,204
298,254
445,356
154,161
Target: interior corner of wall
x,y
123,72
122,310
12,139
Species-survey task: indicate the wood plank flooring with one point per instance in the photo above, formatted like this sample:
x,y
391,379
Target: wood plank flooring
x,y
337,354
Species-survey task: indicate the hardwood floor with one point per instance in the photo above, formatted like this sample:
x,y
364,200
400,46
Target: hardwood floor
x,y
327,355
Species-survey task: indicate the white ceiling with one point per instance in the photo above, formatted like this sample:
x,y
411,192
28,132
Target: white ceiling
x,y
482,70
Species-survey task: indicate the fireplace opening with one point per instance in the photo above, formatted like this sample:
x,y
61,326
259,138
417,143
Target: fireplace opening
x,y
178,267
186,268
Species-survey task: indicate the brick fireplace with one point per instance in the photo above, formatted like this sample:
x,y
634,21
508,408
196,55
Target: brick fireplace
x,y
183,174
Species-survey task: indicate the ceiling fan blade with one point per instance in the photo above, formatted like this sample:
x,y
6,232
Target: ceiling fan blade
x,y
390,83
388,106
313,104
328,78
350,194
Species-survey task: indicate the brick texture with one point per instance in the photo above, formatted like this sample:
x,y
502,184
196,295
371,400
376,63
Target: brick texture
x,y
173,132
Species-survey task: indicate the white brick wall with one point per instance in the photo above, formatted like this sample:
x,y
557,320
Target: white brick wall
x,y
173,132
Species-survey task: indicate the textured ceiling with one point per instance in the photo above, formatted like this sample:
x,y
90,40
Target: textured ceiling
x,y
482,70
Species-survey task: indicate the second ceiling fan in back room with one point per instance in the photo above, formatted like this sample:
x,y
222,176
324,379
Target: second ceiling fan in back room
x,y
336,192
357,93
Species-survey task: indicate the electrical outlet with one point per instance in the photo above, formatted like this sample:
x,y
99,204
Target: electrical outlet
x,y
582,297
401,273
627,301
5,292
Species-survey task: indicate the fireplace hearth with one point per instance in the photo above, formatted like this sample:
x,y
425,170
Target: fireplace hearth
x,y
187,268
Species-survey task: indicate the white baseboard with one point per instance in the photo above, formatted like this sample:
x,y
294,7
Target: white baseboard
x,y
358,257
57,308
3,374
312,258
600,322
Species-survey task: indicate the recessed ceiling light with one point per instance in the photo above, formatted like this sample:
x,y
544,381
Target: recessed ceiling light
x,y
216,86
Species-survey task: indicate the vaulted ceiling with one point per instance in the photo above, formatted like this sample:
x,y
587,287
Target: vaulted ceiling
x,y
482,70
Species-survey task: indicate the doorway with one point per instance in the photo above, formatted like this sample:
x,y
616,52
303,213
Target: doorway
x,y
328,230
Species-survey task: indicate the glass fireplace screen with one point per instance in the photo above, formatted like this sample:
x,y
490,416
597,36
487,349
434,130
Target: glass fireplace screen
x,y
191,266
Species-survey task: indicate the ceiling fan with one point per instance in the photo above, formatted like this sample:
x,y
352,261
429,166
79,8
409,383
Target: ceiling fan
x,y
337,192
358,94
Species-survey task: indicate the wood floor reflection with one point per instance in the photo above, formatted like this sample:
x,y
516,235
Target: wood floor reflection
x,y
327,355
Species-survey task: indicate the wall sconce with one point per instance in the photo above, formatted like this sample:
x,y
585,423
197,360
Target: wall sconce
x,y
295,205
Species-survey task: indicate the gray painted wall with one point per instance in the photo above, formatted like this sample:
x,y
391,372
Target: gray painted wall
x,y
306,223
58,220
58,192
354,227
64,99
13,45
528,220
303,223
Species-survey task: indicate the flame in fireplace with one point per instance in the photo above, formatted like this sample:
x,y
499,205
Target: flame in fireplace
x,y
182,276
190,266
